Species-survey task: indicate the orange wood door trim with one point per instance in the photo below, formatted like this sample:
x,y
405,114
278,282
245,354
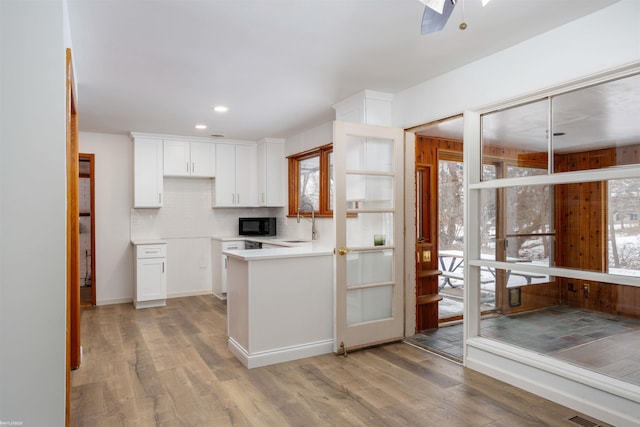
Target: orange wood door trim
x,y
73,266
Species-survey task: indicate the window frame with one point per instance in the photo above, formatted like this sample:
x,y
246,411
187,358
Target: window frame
x,y
323,152
473,155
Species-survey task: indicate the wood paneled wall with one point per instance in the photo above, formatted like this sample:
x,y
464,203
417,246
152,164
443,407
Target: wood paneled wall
x,y
514,156
581,224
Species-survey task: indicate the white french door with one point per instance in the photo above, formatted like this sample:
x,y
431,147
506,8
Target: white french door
x,y
368,214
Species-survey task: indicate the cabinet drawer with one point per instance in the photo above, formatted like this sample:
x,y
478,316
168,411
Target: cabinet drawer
x,y
232,245
151,251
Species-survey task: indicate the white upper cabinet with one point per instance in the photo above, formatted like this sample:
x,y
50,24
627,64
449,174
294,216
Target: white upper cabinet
x,y
147,172
189,158
203,159
236,176
272,172
177,158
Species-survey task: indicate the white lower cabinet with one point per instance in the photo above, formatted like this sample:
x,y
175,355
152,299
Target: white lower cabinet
x,y
150,288
220,264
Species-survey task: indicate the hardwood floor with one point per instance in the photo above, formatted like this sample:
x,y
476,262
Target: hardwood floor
x,y
170,366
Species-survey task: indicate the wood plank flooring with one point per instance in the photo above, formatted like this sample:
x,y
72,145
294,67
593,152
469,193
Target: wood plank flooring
x,y
170,366
616,356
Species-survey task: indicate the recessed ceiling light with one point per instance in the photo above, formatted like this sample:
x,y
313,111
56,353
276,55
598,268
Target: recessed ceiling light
x,y
220,108
201,126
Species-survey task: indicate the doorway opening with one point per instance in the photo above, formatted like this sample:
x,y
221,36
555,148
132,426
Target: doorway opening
x,y
86,252
439,237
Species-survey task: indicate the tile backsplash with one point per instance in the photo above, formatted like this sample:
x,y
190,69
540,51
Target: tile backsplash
x,y
187,212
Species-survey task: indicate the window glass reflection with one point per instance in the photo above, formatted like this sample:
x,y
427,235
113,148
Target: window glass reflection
x,y
516,136
309,183
587,338
601,120
591,128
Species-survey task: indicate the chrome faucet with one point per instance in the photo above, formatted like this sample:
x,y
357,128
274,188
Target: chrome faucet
x,y
314,231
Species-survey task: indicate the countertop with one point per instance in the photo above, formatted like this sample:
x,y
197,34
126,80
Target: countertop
x,y
148,242
288,250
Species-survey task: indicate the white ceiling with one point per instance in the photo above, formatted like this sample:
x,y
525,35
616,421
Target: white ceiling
x,y
279,65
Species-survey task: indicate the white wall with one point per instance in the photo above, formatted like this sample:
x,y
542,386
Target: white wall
x,y
32,213
312,138
597,42
113,200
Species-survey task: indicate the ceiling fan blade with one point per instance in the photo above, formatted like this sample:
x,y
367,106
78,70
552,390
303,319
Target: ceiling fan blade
x,y
437,5
433,21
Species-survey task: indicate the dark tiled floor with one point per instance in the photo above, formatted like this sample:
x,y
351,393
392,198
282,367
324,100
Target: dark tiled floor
x,y
551,330
446,341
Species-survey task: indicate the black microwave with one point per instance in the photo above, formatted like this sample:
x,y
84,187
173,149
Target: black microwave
x,y
265,226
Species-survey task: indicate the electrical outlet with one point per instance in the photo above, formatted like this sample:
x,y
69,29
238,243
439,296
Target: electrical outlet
x,y
426,256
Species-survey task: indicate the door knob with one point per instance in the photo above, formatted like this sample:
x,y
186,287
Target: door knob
x,y
343,251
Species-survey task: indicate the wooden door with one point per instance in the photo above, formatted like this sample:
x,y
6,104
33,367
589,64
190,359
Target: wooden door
x,y
427,272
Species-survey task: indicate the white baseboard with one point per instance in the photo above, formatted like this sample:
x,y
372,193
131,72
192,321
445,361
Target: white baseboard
x,y
221,296
189,293
114,301
170,295
279,355
149,304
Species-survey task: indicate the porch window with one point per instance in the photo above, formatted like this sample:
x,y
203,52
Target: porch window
x,y
559,227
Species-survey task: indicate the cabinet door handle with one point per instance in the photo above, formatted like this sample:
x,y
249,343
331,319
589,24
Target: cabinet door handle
x,y
233,198
193,167
163,267
225,263
238,198
159,197
187,167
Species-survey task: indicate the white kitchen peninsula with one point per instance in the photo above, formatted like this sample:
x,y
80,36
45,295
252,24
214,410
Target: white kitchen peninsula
x,y
280,303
